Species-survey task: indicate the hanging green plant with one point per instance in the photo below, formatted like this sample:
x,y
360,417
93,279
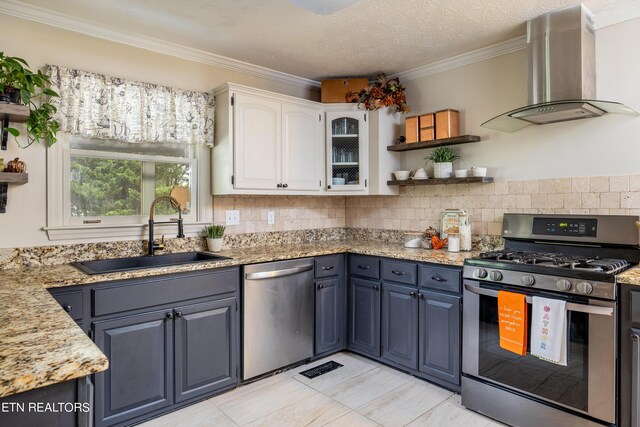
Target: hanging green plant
x,y
383,92
20,85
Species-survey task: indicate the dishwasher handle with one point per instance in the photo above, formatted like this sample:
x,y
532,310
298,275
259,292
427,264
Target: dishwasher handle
x,y
278,273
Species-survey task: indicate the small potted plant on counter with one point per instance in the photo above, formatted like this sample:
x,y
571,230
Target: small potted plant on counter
x,y
214,234
442,158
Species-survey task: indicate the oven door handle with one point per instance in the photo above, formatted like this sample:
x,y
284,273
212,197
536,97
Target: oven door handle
x,y
589,309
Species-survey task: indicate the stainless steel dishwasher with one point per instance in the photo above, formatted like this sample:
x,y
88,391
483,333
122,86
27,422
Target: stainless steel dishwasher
x,y
278,315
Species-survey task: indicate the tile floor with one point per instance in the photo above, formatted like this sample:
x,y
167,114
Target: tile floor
x,y
361,393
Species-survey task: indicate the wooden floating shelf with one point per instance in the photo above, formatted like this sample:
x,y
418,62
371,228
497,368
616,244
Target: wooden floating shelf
x,y
436,181
16,113
14,178
456,140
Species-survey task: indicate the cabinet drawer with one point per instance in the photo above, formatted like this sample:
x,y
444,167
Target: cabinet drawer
x,y
365,266
71,302
401,272
132,295
329,265
440,278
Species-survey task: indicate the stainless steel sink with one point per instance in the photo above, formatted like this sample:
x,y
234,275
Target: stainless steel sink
x,y
102,266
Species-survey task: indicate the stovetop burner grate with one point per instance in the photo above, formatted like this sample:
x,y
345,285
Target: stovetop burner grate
x,y
559,261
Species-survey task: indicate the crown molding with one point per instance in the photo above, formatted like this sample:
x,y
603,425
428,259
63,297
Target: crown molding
x,y
467,58
55,19
605,18
617,14
614,15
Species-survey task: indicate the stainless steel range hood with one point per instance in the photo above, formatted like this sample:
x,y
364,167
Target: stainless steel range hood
x,y
562,73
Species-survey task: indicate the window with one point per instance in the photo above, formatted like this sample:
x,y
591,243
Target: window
x,y
111,183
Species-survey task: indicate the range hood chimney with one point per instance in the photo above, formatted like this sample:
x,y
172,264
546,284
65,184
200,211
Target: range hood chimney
x,y
562,73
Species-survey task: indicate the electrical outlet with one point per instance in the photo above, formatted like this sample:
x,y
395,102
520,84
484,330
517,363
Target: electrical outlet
x,y
271,217
233,217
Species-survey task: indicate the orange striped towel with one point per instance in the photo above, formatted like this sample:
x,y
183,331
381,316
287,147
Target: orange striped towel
x,y
512,317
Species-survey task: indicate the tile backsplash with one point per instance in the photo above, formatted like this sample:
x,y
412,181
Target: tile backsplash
x,y
291,213
417,208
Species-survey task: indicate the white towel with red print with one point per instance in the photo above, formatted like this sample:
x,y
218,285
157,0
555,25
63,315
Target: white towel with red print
x,y
549,330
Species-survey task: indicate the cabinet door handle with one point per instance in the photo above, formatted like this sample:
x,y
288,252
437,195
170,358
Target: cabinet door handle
x,y
279,185
438,279
320,286
285,185
178,314
375,287
169,315
412,294
398,273
67,308
325,268
364,267
420,296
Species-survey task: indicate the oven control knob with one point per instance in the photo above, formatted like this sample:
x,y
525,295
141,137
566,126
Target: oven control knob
x,y
563,285
584,287
480,273
527,280
495,275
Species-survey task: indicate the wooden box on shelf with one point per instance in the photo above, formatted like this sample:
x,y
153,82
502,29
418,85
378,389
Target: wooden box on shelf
x,y
334,91
447,123
427,127
411,129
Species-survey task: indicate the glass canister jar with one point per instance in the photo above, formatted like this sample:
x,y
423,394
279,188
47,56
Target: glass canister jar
x,y
465,233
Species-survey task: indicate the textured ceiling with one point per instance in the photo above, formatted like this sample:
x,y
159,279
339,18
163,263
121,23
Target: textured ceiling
x,y
360,40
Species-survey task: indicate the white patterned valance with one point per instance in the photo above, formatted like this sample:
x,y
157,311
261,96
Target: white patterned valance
x,y
98,106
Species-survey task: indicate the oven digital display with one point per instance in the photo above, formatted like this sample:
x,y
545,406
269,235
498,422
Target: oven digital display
x,y
573,227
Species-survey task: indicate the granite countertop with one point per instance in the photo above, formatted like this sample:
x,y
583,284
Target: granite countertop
x,y
41,345
630,277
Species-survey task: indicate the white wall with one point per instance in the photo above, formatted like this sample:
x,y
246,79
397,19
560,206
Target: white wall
x,y
608,145
40,45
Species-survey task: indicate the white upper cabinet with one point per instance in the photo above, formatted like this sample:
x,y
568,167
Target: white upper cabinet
x,y
302,148
258,149
270,144
266,143
347,151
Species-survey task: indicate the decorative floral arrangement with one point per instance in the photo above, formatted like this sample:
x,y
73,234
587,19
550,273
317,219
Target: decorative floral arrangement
x,y
381,93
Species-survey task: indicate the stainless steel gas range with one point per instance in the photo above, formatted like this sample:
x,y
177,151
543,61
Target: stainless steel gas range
x,y
574,258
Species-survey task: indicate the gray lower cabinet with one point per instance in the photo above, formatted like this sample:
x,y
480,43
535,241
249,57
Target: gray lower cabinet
x,y
140,375
629,359
439,332
329,306
399,325
27,409
364,316
410,320
205,348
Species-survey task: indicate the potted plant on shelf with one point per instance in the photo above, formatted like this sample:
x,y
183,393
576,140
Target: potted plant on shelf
x,y
214,234
20,85
442,158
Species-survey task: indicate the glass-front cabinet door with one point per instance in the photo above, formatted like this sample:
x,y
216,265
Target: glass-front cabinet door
x,y
347,151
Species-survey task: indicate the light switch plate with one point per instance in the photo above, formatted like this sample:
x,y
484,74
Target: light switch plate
x,y
271,217
233,217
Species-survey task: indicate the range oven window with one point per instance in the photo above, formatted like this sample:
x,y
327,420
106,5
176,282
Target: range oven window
x,y
566,385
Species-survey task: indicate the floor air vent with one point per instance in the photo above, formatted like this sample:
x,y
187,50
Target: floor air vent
x,y
321,369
